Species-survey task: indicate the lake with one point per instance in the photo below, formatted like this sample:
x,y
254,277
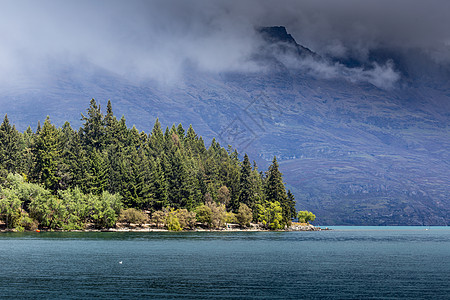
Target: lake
x,y
345,263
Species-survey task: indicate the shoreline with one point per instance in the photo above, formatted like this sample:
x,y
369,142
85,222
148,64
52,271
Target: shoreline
x,y
152,229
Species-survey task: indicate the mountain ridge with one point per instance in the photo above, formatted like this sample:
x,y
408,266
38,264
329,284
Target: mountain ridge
x,y
354,153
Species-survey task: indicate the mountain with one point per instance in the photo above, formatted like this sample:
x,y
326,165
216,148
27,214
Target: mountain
x,y
360,142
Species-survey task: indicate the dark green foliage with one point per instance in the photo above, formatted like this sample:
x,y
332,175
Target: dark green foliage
x,y
46,156
66,139
86,176
291,204
9,148
276,191
96,179
26,159
93,131
158,188
246,186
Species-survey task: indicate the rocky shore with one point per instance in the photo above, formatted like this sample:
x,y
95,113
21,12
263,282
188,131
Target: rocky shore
x,y
152,228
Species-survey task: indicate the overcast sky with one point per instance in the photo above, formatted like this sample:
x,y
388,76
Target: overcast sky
x,y
149,39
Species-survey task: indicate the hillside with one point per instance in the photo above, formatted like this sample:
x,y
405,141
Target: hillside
x,y
359,142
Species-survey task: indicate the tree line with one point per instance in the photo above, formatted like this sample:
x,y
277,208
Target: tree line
x,y
104,171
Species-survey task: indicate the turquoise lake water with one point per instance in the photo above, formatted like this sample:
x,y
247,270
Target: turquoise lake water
x,y
345,263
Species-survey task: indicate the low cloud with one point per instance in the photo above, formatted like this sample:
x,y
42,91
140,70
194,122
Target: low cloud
x,y
382,76
160,40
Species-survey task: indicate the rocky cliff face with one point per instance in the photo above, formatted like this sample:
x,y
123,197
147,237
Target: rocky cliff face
x,y
278,35
359,142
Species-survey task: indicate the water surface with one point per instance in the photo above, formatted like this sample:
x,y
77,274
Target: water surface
x,y
345,263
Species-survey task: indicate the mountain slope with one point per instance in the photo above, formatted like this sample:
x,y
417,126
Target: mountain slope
x,y
353,148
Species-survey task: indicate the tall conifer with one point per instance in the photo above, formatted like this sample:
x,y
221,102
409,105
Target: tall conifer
x,y
9,146
246,192
93,129
276,191
46,152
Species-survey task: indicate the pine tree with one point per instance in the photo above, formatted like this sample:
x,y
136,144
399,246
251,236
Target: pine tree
x,y
111,126
9,147
26,153
97,177
158,185
148,171
291,203
230,176
276,191
259,189
180,132
46,153
191,185
176,179
116,168
156,141
246,187
143,179
109,117
66,138
38,128
190,141
93,130
79,163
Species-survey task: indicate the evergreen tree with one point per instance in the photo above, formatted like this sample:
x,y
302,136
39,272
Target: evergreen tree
x,y
116,168
191,186
79,163
105,158
246,187
97,176
66,138
46,153
156,141
26,154
276,191
180,132
190,141
143,179
93,130
291,204
158,185
230,175
111,127
9,147
109,117
176,179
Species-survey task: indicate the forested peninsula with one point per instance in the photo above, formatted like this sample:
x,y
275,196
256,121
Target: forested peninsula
x,y
106,175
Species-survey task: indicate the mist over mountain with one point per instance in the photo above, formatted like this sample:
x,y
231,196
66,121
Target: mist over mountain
x,y
360,125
